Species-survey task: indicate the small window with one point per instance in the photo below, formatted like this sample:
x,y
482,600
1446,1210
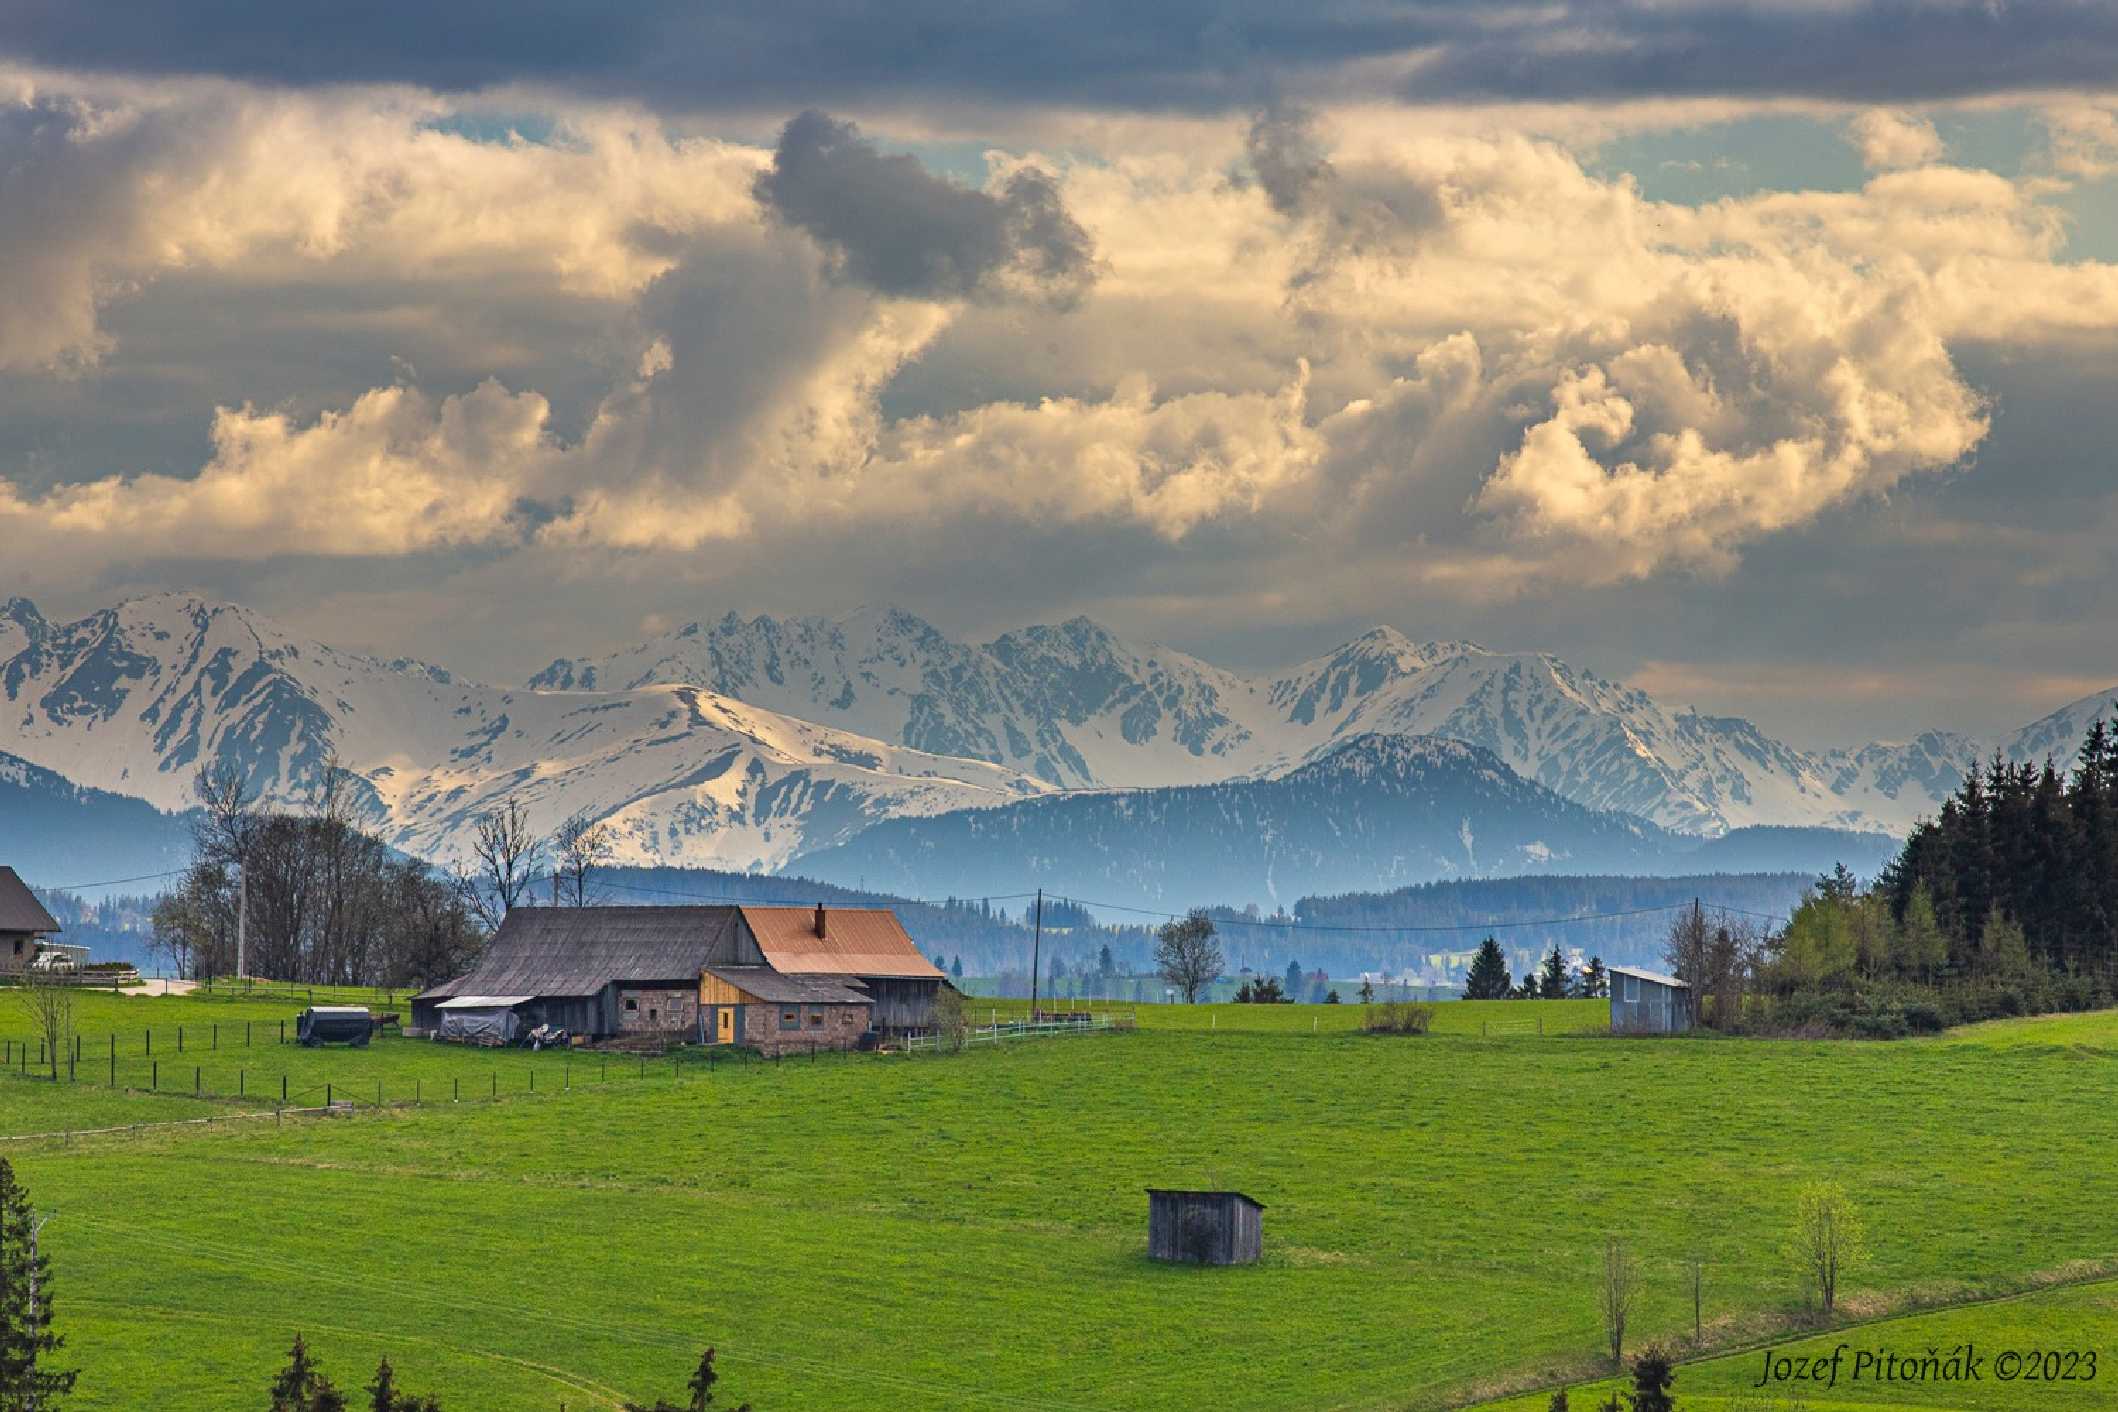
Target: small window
x,y
816,1017
632,1003
1632,988
18,946
791,1018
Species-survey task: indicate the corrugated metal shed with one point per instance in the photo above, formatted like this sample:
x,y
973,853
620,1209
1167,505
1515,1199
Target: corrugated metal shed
x,y
855,941
1648,1002
20,911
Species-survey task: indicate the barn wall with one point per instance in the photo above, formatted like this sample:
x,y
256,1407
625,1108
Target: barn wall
x,y
841,1027
902,1004
670,1010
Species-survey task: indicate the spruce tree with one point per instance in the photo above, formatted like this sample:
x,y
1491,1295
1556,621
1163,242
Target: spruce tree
x,y
26,1337
1291,987
1551,984
1653,1373
1489,979
301,1387
1594,982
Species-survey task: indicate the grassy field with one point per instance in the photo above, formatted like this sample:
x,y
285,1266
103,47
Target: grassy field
x,y
1455,1017
2077,1317
966,1231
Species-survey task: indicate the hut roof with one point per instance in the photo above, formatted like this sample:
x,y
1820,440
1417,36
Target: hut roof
x,y
774,988
856,941
1656,976
1214,1195
573,951
20,911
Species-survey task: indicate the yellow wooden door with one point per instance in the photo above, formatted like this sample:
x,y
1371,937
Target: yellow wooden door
x,y
726,1027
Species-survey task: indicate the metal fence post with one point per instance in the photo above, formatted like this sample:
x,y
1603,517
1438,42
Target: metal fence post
x,y
198,1081
327,1095
154,1077
180,1039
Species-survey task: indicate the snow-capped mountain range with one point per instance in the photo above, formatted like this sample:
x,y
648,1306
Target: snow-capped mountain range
x,y
749,743
1076,706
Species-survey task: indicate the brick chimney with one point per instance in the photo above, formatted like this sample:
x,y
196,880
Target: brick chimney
x,y
820,933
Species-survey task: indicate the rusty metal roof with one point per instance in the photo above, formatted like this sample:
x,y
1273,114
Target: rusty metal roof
x,y
857,941
20,911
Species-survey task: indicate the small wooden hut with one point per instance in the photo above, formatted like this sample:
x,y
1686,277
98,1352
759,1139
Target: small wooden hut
x,y
1204,1227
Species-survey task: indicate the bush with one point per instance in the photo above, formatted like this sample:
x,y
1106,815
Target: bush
x,y
1398,1017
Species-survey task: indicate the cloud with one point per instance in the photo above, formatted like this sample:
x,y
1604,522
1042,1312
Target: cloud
x,y
396,473
110,186
1887,139
890,224
1217,56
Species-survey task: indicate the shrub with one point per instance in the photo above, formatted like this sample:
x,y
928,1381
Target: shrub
x,y
1398,1017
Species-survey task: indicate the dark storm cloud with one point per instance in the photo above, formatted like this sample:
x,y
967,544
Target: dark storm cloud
x,y
890,224
1175,54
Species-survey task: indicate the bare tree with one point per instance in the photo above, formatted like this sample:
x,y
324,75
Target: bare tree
x,y
1827,1238
224,836
504,854
1621,1285
580,846
952,1022
48,1000
1186,954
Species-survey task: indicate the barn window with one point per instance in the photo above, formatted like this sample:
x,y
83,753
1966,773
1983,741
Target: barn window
x,y
1632,988
653,1015
791,1018
816,1017
632,1003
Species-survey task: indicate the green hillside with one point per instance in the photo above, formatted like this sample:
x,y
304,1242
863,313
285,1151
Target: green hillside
x,y
943,1232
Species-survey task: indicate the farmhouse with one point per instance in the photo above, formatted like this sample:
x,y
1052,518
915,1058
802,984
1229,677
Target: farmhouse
x,y
770,978
24,924
1648,1002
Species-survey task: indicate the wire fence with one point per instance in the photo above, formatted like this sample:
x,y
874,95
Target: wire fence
x,y
998,1030
221,1075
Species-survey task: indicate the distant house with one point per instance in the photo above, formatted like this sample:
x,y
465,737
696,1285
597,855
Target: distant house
x,y
24,924
770,978
1648,1002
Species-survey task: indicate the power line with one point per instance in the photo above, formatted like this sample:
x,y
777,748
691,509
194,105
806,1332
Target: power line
x,y
113,882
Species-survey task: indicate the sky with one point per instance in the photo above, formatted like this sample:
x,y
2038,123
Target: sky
x,y
1757,354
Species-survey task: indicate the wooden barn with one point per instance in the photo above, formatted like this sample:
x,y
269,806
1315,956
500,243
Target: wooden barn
x,y
24,924
768,978
1204,1227
1648,1002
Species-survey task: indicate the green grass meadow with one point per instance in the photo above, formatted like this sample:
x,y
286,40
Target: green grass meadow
x,y
969,1231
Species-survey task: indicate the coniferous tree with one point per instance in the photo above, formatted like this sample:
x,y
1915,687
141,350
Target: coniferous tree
x,y
26,1338
1489,978
383,1395
1594,982
1551,982
1291,987
302,1387
1653,1374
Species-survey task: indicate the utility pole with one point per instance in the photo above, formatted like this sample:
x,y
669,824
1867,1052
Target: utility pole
x,y
1036,954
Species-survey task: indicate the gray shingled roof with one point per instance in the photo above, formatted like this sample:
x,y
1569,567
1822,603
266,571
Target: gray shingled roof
x,y
20,911
774,988
566,951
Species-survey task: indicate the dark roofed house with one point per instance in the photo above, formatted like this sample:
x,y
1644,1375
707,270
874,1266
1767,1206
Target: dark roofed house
x,y
770,978
24,924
